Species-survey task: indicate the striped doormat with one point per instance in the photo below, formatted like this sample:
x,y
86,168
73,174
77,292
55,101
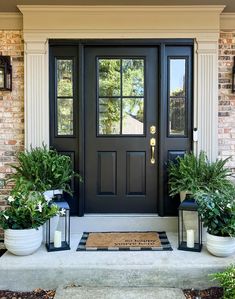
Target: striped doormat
x,y
124,241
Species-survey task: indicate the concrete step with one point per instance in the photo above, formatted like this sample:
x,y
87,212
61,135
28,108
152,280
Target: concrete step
x,y
118,293
176,269
123,222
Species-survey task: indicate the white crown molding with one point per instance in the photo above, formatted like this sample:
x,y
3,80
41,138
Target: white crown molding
x,y
11,21
227,21
120,8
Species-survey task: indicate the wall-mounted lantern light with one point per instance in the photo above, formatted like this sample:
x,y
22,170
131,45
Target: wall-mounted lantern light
x,y
233,74
5,73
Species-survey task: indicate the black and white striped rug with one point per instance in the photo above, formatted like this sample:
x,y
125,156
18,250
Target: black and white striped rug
x,y
124,241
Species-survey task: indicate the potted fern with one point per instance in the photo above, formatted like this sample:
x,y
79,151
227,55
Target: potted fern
x,y
44,170
189,174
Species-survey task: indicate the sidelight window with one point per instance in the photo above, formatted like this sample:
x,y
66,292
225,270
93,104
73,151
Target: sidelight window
x,y
177,97
64,98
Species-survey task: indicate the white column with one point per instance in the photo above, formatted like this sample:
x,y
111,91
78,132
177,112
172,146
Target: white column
x,y
206,97
36,93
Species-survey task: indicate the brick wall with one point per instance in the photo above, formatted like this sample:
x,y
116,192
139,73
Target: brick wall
x,y
226,98
11,106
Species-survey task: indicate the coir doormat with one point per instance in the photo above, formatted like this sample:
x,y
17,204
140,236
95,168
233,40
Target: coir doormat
x,y
124,241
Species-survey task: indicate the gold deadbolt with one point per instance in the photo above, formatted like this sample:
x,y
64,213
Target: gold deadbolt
x,y
152,129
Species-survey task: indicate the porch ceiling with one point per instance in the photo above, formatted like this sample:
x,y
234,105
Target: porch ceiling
x,y
11,5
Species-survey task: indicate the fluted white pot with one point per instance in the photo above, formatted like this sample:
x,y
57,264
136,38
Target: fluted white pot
x,y
23,241
220,246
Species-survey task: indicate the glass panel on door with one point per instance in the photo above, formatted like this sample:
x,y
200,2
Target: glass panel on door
x,y
121,96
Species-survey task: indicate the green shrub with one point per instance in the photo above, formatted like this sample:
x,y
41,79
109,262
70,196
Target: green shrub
x,y
217,211
227,281
42,169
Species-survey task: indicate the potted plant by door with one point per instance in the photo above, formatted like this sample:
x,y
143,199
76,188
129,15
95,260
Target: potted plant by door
x,y
217,211
189,174
44,170
22,221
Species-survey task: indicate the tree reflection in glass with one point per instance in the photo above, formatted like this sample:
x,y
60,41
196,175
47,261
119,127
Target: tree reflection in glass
x,y
121,96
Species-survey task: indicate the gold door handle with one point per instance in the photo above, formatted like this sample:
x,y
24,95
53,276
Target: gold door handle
x,y
152,144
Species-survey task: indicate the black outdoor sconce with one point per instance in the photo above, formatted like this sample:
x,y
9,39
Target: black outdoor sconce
x,y
189,238
58,229
5,73
233,76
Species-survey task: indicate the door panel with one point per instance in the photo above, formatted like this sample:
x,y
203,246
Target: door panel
x,y
120,107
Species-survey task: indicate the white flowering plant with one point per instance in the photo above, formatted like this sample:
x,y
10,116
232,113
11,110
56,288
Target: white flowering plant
x,y
217,211
25,210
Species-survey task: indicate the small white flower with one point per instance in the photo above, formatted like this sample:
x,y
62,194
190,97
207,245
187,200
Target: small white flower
x,y
47,198
11,199
7,217
39,207
62,212
229,205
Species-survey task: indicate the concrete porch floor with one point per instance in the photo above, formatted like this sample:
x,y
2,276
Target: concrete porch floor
x,y
174,269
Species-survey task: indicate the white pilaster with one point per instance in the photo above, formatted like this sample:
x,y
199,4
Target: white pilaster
x,y
36,93
206,101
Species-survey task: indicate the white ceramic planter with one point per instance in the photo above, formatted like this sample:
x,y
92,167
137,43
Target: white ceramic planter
x,y
23,241
220,246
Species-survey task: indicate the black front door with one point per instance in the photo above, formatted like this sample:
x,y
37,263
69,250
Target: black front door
x,y
121,109
121,87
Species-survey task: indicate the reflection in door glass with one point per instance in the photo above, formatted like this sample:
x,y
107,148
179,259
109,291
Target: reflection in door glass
x,y
133,77
177,99
177,77
64,78
133,116
120,96
65,116
109,77
177,116
109,116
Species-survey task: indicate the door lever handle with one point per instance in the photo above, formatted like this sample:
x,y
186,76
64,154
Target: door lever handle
x,y
152,144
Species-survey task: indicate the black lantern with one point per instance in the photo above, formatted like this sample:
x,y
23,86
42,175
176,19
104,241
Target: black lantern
x,y
5,73
189,239
233,76
58,232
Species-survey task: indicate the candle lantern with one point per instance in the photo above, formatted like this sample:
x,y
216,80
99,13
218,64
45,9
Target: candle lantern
x,y
189,226
5,73
58,230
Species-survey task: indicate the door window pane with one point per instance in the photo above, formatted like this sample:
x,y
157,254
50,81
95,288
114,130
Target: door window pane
x,y
109,77
120,96
133,116
109,116
177,116
133,77
64,78
177,97
177,77
65,116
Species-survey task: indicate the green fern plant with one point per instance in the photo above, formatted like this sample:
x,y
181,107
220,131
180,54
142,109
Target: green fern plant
x,y
41,169
191,173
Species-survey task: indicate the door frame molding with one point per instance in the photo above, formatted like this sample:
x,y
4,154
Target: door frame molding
x,y
81,44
